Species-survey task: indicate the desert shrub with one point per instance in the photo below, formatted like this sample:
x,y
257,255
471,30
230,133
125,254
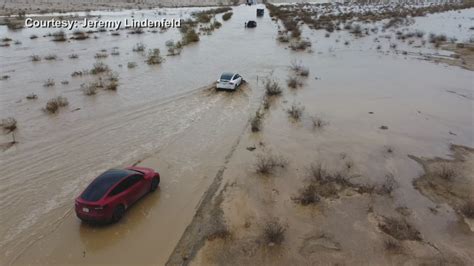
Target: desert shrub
x,y
318,122
266,163
79,35
468,209
59,36
227,16
299,69
49,83
300,45
446,172
98,68
272,88
53,105
190,36
33,36
283,37
9,124
101,55
295,111
31,96
399,229
50,57
65,82
256,122
293,82
274,232
35,58
136,31
115,53
388,186
4,77
131,64
308,195
174,48
89,89
139,47
73,56
154,57
316,172
392,246
356,30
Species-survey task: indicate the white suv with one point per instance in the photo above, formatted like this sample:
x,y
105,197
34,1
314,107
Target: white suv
x,y
229,81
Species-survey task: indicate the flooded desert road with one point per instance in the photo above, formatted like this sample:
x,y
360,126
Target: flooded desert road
x,y
167,118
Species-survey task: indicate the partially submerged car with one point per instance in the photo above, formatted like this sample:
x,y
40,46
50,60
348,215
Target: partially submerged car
x,y
229,81
251,24
111,193
260,12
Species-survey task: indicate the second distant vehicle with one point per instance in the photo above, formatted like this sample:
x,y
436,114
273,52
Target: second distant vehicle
x,y
229,81
251,24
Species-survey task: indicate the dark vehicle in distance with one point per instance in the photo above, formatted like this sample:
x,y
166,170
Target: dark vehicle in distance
x,y
251,24
260,12
111,193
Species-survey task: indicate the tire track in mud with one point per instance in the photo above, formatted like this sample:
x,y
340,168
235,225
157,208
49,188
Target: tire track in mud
x,y
208,216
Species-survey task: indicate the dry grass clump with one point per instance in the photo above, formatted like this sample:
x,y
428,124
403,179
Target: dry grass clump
x,y
399,229
308,195
300,45
393,246
174,48
283,37
49,83
294,82
266,163
273,232
9,125
89,89
73,56
154,57
272,88
388,186
437,40
50,57
295,112
31,96
35,58
227,16
468,209
79,35
318,122
446,172
54,104
59,36
139,47
33,36
101,55
131,64
98,68
256,122
190,36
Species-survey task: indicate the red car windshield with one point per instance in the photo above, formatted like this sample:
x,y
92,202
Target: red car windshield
x,y
97,189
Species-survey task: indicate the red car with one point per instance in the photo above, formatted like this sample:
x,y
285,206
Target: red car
x,y
111,193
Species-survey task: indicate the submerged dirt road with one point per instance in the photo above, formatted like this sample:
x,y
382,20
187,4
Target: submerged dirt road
x,y
153,226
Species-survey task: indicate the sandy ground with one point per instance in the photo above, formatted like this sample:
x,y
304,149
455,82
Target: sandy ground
x,y
462,56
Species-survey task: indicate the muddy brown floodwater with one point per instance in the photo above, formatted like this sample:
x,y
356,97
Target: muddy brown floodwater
x,y
167,117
